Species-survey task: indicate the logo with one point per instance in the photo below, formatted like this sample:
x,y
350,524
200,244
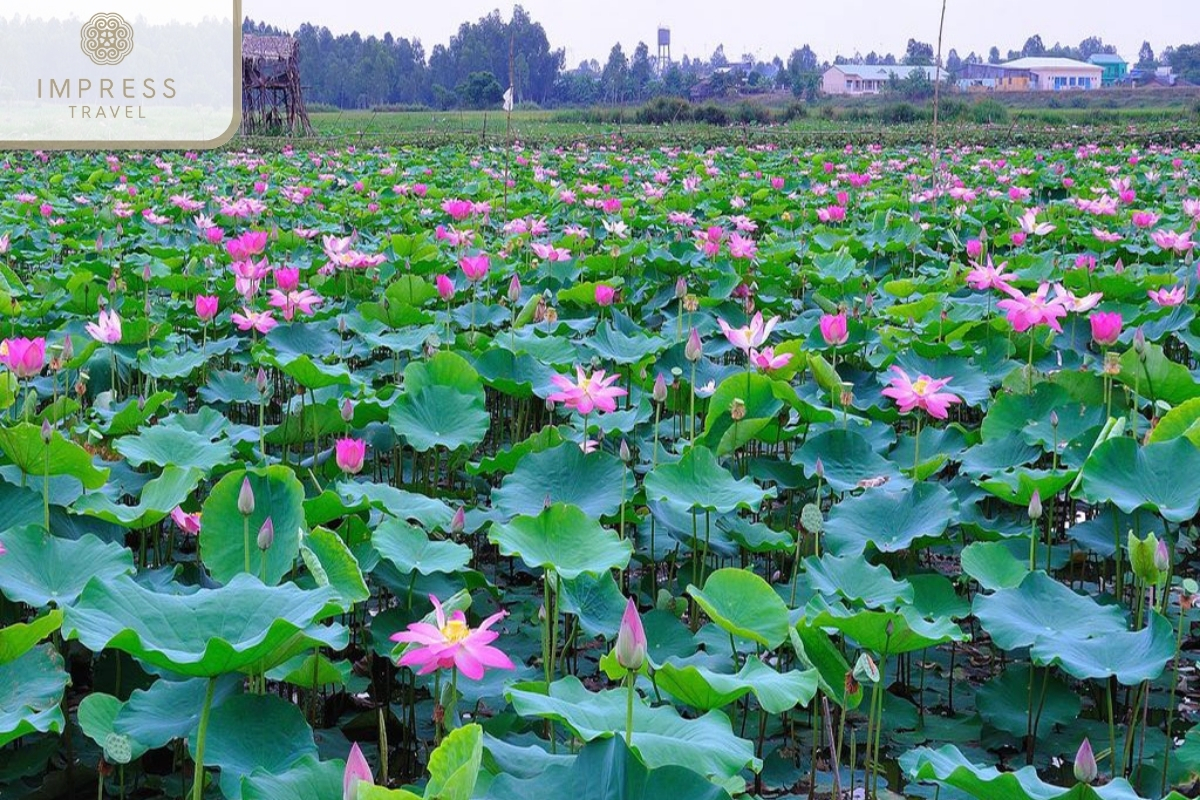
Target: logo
x,y
106,39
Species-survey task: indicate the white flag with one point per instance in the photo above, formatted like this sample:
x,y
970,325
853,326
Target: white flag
x,y
508,103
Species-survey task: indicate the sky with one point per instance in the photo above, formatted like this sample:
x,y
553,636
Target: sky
x,y
588,29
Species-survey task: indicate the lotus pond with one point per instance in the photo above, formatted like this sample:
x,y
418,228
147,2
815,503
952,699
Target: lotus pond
x,y
680,474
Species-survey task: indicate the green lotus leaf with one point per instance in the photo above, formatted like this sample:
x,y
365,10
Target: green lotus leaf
x,y
890,521
661,737
763,399
1003,701
1157,377
1181,421
223,546
24,447
158,498
890,633
1027,416
1129,476
41,570
993,565
562,538
1017,486
31,693
97,713
564,474
170,709
250,732
846,457
1041,607
171,445
409,548
244,625
745,605
18,639
856,580
606,770
815,648
949,767
439,416
331,563
307,778
698,481
596,601
704,690
1129,656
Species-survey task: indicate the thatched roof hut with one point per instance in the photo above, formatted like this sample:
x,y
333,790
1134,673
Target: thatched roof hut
x,y
272,97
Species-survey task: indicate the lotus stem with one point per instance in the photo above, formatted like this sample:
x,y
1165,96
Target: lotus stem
x,y
202,731
630,681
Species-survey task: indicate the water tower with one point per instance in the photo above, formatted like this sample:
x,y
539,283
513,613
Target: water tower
x,y
664,48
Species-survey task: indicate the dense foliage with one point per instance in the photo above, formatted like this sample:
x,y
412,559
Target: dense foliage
x,y
632,473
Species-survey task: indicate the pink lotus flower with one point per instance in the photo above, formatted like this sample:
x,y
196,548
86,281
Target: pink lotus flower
x,y
4,244
349,454
1025,311
709,240
1030,225
452,643
1168,297
922,393
831,214
24,357
475,267
988,276
206,306
106,329
1106,327
287,278
630,648
304,301
833,329
751,336
357,771
188,523
1106,236
550,253
742,246
588,392
261,321
605,294
767,360
1071,302
974,249
1018,238
246,246
445,287
1170,240
1144,219
457,209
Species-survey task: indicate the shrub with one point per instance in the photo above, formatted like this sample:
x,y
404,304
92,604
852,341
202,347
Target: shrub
x,y
711,114
750,113
898,114
665,110
989,111
794,111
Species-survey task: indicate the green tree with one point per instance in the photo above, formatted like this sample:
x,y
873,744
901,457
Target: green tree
x,y
480,90
918,53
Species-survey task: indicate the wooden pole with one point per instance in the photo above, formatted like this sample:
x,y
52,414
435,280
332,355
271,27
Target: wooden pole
x,y
508,116
937,85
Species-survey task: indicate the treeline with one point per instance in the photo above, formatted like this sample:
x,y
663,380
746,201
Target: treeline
x,y
474,67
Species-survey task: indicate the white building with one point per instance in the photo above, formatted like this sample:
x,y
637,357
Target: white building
x,y
868,78
1059,74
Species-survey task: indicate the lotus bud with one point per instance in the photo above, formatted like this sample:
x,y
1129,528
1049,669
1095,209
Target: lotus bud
x,y
737,409
623,451
1054,419
514,289
549,404
112,284
260,381
357,771
141,402
458,523
819,468
889,629
631,639
347,410
68,349
681,288
693,350
266,535
245,502
659,392
1162,556
99,242
1035,505
342,326
47,431
1086,770
1139,343
146,273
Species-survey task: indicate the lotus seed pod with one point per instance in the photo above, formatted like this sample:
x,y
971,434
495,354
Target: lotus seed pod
x,y
811,518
